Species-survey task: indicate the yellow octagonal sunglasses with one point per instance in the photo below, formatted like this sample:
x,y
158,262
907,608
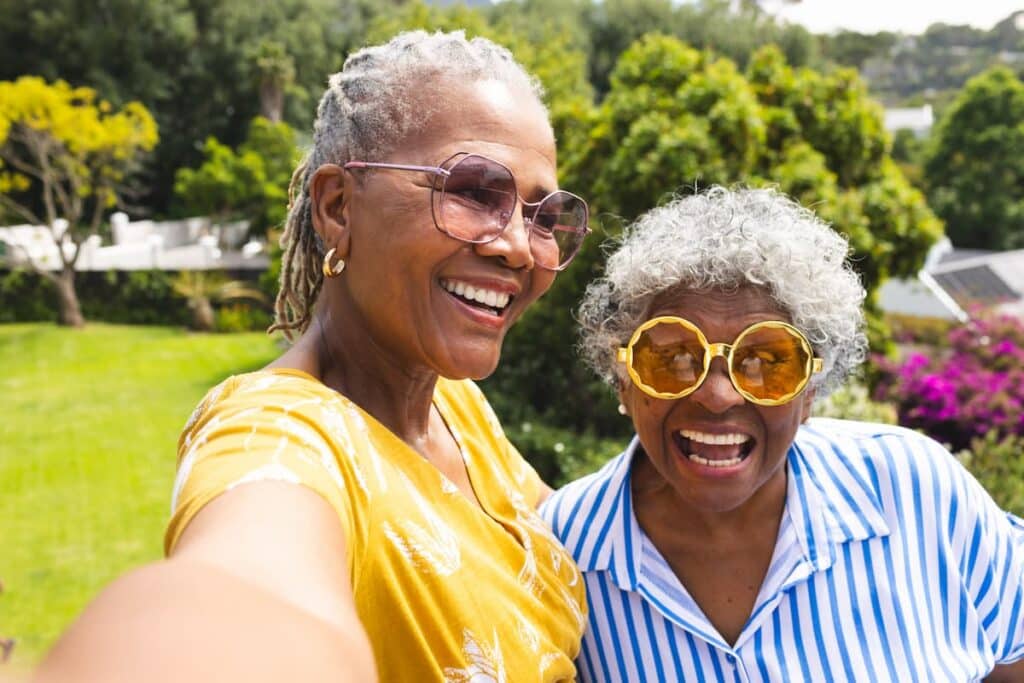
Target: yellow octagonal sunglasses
x,y
769,363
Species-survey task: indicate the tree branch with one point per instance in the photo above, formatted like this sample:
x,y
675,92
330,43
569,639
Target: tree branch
x,y
35,268
22,211
17,161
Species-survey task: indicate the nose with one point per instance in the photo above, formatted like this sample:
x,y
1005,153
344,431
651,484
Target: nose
x,y
717,392
513,244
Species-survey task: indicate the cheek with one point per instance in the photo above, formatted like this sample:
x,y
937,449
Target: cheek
x,y
648,415
540,281
782,423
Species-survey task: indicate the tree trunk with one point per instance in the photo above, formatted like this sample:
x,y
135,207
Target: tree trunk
x,y
203,317
69,313
271,100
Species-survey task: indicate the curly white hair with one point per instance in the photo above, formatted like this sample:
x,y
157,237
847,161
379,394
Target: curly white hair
x,y
726,239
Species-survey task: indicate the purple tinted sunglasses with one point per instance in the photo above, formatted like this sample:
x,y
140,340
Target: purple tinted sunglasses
x,y
474,197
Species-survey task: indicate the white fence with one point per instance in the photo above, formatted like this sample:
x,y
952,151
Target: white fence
x,y
189,244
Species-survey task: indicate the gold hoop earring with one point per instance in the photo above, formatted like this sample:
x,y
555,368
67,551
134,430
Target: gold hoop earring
x,y
328,269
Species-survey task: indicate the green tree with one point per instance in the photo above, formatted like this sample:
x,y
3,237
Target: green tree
x,y
250,183
975,168
66,155
851,48
202,67
201,288
732,29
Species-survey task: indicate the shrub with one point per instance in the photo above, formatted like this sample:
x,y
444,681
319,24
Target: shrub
x,y
138,297
134,297
853,402
910,329
241,318
998,463
559,455
26,297
973,388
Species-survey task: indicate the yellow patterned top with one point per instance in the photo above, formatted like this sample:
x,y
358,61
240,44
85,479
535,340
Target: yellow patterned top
x,y
447,591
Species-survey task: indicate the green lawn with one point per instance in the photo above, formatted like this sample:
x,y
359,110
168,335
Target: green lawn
x,y
89,421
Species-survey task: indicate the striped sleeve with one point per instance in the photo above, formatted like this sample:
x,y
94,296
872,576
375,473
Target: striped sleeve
x,y
1005,623
989,544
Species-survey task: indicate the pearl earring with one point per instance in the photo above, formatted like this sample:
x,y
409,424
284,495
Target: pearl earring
x,y
622,410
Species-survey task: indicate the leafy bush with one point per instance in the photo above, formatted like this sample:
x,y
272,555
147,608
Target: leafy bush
x,y
250,183
559,455
998,463
134,297
973,388
241,318
26,297
138,297
911,329
853,402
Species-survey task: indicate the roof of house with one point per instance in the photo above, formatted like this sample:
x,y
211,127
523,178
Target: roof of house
x,y
954,281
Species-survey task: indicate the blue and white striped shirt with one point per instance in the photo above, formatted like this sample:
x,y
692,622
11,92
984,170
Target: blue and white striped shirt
x,y
891,564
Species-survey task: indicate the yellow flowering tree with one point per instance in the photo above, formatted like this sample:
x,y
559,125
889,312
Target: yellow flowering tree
x,y
65,158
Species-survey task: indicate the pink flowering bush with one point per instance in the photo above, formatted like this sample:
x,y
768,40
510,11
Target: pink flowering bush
x,y
972,388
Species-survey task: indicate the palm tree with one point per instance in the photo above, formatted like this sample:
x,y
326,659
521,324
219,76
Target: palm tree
x,y
201,288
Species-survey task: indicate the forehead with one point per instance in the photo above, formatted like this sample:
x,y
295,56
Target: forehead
x,y
487,117
719,309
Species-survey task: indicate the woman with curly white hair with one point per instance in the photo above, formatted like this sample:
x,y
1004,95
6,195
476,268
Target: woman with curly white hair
x,y
737,540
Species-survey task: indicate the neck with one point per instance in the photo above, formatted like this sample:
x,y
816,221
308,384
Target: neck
x,y
352,363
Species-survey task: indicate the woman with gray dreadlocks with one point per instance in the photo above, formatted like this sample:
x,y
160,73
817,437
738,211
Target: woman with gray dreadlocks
x,y
354,510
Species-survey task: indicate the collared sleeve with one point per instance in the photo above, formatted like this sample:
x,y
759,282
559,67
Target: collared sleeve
x,y
995,559
1012,596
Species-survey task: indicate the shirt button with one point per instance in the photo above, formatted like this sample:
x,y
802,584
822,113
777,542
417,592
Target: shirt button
x,y
731,659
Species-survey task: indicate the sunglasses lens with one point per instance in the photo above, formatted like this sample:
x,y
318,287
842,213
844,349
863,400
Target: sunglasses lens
x,y
668,358
770,363
559,226
477,199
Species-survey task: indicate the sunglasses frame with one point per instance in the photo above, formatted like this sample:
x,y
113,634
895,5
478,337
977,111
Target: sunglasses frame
x,y
437,196
711,351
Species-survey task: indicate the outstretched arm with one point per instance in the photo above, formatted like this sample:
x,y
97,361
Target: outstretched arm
x,y
257,589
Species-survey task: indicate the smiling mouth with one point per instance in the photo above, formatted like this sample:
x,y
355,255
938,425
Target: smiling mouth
x,y
713,450
488,300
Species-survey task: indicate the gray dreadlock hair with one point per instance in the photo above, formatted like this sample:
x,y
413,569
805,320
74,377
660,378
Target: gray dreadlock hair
x,y
370,107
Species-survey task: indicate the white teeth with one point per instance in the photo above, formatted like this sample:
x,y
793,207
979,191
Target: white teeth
x,y
487,297
715,463
715,439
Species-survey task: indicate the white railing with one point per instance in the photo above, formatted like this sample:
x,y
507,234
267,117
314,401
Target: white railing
x,y
187,244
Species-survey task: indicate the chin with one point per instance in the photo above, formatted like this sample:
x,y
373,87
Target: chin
x,y
468,365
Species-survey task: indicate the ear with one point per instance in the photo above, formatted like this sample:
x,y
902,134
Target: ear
x,y
620,390
329,192
806,404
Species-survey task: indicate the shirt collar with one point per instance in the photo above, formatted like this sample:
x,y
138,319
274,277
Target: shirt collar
x,y
616,548
829,498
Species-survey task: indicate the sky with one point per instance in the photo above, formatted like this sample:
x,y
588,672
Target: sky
x,y
907,16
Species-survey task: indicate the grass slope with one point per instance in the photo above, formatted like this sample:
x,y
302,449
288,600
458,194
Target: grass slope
x,y
89,421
